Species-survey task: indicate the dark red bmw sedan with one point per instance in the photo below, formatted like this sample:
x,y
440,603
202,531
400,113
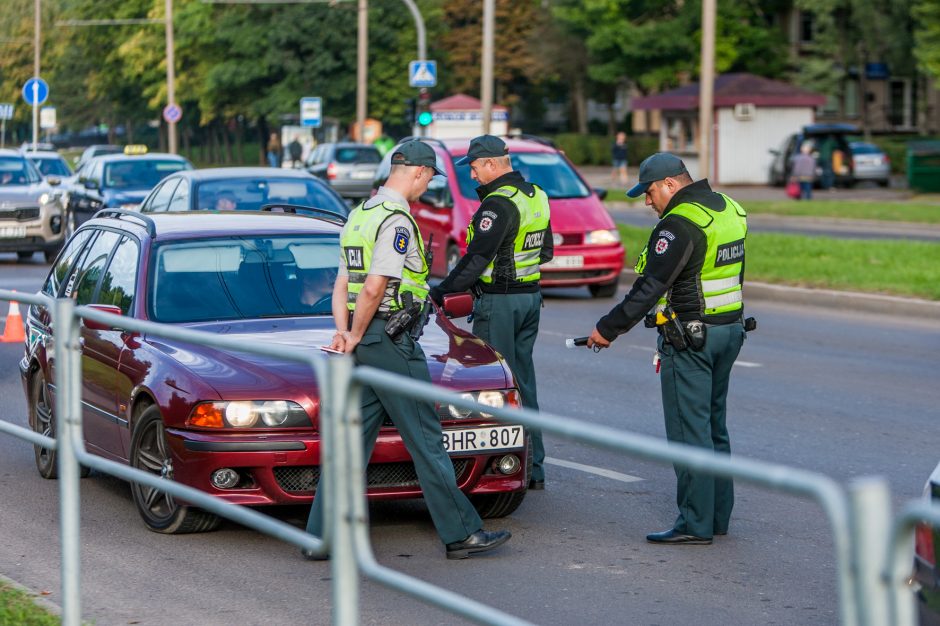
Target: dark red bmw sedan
x,y
238,425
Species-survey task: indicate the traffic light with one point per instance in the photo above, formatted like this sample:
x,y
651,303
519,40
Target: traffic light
x,y
411,110
424,117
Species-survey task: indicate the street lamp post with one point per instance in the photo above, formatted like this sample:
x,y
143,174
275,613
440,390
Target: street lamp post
x,y
486,74
170,76
36,39
706,88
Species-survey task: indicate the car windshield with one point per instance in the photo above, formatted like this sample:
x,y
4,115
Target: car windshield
x,y
250,194
17,171
357,155
51,166
865,148
546,169
235,278
137,173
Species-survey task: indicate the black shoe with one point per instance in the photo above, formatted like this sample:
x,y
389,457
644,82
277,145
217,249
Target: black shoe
x,y
478,542
676,538
536,485
311,556
721,532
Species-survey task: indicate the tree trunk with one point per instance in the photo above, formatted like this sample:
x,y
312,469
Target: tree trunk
x,y
129,131
579,105
239,139
229,157
262,140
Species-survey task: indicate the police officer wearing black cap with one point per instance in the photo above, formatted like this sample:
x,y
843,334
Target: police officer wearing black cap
x,y
692,268
509,236
383,267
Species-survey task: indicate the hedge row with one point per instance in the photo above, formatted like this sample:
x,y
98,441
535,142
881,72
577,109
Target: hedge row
x,y
596,149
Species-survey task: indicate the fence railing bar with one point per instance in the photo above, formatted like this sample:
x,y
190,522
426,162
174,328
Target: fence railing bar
x,y
900,555
29,435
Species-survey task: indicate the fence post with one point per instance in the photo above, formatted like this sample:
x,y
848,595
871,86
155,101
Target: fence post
x,y
345,439
68,430
870,503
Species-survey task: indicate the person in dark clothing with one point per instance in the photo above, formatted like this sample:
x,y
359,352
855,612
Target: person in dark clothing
x,y
296,151
618,158
693,265
509,236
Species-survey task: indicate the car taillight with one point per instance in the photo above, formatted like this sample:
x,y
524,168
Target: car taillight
x,y
331,171
886,158
923,544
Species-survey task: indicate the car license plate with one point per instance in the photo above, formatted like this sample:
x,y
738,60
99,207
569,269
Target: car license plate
x,y
565,262
487,439
363,174
12,232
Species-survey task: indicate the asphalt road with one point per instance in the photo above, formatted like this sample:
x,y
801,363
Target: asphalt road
x,y
848,395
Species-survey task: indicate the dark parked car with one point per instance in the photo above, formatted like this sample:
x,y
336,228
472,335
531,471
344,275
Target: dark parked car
x,y
241,189
828,141
237,425
348,167
926,579
31,209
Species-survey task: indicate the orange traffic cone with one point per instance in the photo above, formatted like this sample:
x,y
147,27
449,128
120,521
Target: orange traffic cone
x,y
14,332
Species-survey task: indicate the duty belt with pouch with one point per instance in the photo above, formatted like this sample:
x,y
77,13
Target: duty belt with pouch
x,y
678,334
411,318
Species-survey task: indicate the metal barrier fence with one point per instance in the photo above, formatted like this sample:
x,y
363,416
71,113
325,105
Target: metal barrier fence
x,y
873,553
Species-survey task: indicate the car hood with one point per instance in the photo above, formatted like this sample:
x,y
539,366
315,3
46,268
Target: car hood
x,y
126,196
456,359
579,214
16,195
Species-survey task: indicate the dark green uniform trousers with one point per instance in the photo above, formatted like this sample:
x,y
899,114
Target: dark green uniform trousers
x,y
510,323
420,429
695,392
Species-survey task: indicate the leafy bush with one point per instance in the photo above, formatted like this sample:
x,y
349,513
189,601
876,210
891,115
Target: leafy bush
x,y
595,149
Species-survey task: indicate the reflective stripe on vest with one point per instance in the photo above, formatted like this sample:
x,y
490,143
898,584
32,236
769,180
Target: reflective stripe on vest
x,y
358,242
534,215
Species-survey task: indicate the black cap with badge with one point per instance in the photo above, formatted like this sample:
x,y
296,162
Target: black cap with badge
x,y
484,147
657,167
416,152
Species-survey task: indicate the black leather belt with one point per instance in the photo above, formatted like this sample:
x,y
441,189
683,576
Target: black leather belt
x,y
379,315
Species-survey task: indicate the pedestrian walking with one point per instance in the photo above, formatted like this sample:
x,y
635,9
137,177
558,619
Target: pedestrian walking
x,y
509,236
274,150
618,155
296,150
803,169
383,267
690,275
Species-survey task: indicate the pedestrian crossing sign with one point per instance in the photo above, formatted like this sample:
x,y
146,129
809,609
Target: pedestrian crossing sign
x,y
422,73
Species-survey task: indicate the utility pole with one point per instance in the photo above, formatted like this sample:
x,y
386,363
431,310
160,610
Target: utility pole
x,y
706,88
362,69
36,40
486,75
170,75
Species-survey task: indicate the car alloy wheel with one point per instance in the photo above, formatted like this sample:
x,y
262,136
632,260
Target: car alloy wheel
x,y
42,421
159,510
453,257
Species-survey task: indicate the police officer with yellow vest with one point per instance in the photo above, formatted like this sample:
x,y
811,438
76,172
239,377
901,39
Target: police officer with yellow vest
x,y
383,268
690,276
508,237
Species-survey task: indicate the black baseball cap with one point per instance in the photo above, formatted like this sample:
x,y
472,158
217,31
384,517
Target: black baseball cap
x,y
484,147
657,167
416,152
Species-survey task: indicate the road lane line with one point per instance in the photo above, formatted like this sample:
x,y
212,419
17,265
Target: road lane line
x,y
590,469
747,364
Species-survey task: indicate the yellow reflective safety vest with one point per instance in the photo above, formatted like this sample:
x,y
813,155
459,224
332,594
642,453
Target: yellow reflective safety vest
x,y
534,215
722,268
358,242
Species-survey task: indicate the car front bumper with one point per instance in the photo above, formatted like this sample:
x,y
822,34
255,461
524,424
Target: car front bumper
x,y
575,266
33,235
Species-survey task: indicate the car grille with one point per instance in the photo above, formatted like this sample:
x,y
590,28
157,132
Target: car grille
x,y
378,476
572,239
573,274
20,214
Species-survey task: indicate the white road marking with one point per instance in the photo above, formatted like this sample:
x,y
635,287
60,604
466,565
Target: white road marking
x,y
747,364
590,469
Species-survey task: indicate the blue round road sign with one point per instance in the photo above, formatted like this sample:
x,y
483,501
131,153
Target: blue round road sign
x,y
35,91
172,113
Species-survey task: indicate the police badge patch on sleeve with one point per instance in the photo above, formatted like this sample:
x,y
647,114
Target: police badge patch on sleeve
x,y
662,244
486,223
401,239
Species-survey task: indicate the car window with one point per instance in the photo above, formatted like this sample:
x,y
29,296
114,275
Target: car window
x,y
120,279
250,194
357,155
180,201
138,173
52,167
17,171
865,148
240,278
65,261
319,154
548,170
160,200
83,282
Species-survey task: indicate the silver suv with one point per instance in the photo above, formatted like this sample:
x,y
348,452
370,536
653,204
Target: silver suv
x,y
31,215
348,167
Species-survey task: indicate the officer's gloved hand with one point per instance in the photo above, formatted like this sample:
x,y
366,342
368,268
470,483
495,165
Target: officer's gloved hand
x,y
436,295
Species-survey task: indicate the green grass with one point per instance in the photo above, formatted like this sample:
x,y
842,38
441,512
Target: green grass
x,y
903,268
17,609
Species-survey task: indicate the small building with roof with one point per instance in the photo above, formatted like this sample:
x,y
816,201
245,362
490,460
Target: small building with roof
x,y
460,116
752,115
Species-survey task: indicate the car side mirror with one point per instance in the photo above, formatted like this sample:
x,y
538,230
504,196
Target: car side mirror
x,y
458,304
601,192
105,308
54,181
774,152
90,183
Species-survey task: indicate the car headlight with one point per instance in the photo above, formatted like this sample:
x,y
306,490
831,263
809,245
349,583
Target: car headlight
x,y
248,414
496,399
601,237
45,199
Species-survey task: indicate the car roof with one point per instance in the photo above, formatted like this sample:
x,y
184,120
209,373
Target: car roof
x,y
8,152
44,154
823,129
223,173
197,224
459,147
110,158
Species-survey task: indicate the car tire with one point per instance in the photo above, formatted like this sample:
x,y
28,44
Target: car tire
x,y
495,505
24,255
453,257
884,183
605,290
159,510
42,420
50,255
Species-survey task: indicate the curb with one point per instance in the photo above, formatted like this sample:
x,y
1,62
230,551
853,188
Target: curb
x,y
37,599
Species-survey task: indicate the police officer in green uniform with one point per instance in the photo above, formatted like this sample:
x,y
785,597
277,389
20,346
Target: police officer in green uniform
x,y
383,266
693,265
508,237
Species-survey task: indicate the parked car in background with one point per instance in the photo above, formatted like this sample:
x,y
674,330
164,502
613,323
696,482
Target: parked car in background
x,y
349,168
242,189
31,209
241,426
871,163
926,579
824,138
97,150
50,163
118,181
588,251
